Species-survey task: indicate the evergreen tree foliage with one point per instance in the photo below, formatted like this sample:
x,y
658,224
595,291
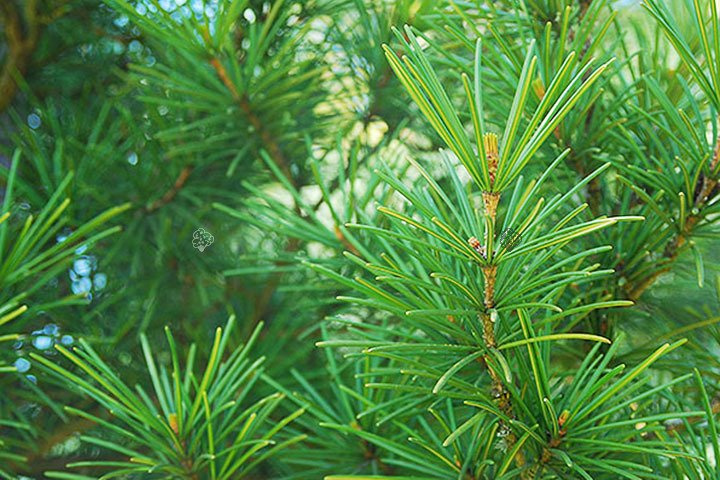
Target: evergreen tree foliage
x,y
350,239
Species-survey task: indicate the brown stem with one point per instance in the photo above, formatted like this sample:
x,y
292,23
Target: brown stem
x,y
674,248
499,391
172,192
490,273
490,201
278,157
709,182
266,137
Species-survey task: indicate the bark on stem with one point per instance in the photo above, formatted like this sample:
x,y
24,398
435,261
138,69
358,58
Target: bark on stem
x,y
499,391
491,200
278,157
706,189
170,194
266,137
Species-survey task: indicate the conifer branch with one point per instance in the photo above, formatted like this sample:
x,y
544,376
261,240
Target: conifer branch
x,y
705,189
243,102
709,182
172,192
276,154
499,391
444,358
